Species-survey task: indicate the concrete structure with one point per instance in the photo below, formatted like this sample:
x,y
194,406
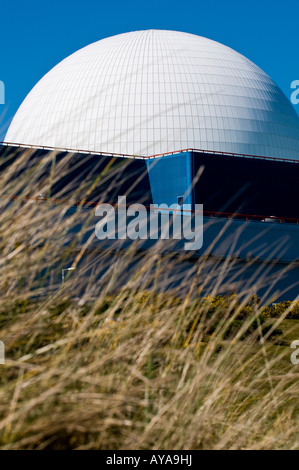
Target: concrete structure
x,y
178,105
150,92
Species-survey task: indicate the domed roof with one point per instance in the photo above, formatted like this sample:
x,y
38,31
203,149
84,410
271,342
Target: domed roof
x,y
150,92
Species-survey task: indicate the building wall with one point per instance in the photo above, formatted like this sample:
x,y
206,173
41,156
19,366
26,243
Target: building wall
x,y
170,177
114,176
247,185
264,244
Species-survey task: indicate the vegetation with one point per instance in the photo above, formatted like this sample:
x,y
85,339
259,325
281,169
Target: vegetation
x,y
110,359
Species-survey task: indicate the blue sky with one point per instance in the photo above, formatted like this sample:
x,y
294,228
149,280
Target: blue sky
x,y
35,36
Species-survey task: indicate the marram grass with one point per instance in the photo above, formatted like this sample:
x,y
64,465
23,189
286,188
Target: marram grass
x,y
95,363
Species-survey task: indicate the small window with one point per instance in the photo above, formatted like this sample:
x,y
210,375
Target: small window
x,y
180,200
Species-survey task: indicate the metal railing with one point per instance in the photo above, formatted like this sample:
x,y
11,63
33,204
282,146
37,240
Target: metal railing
x,y
154,207
70,150
144,157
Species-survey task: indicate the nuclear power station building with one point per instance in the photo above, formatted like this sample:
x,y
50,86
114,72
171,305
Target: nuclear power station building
x,y
200,123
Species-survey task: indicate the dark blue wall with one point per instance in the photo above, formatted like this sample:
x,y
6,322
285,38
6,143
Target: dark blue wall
x,y
247,185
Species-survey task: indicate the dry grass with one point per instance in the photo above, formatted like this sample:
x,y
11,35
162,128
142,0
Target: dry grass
x,y
106,361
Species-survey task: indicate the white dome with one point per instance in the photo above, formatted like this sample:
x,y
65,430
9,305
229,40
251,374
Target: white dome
x,y
150,92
